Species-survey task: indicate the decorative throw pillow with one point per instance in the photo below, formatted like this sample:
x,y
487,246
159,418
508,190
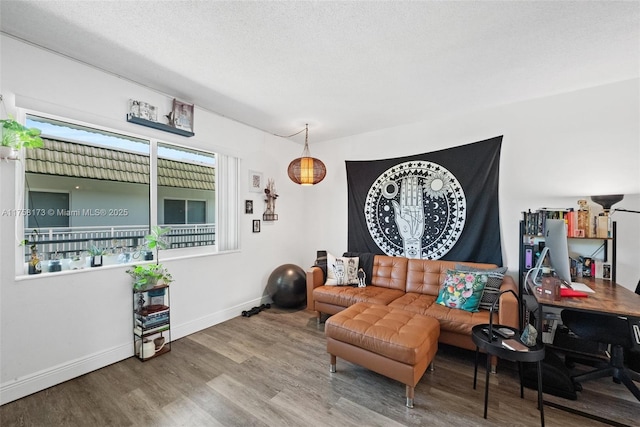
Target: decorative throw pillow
x,y
341,270
492,288
462,290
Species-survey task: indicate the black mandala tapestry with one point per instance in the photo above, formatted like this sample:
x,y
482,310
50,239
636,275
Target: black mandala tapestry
x,y
438,205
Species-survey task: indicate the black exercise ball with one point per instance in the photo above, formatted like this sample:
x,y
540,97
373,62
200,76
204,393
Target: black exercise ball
x,y
287,286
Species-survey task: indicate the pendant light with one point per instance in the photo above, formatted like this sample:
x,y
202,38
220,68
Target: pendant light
x,y
306,170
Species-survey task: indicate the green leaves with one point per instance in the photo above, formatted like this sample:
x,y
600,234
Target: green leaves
x,y
16,136
155,239
148,275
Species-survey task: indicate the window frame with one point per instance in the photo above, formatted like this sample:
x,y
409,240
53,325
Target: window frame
x,y
186,209
169,253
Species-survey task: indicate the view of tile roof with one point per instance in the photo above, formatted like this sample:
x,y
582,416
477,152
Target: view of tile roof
x,y
86,161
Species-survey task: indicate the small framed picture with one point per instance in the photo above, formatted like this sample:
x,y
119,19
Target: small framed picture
x,y
255,182
143,110
248,206
256,225
182,115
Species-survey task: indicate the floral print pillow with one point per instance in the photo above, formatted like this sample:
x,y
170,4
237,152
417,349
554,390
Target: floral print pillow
x,y
462,290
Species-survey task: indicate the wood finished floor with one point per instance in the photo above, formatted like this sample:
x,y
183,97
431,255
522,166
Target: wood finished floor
x,y
272,369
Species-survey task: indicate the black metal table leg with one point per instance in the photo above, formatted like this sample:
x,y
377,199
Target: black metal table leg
x,y
475,370
520,376
486,386
540,402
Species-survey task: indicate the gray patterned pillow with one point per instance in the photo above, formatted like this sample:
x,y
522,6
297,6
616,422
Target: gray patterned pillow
x,y
492,288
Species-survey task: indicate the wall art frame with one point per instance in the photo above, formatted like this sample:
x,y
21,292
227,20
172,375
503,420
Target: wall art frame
x,y
248,206
256,225
256,181
182,115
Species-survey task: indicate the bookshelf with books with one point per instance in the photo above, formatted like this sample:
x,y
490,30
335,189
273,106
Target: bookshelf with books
x,y
151,322
591,240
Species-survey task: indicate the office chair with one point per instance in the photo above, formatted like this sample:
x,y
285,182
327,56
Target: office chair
x,y
607,329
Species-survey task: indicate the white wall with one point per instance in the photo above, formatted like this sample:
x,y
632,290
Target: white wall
x,y
56,327
555,151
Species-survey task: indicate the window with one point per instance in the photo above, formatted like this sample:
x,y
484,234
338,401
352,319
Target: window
x,y
185,211
48,209
93,188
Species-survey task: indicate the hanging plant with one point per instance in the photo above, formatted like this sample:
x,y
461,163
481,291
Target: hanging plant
x,y
16,136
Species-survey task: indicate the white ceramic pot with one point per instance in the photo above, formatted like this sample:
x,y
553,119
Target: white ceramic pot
x,y
8,153
148,349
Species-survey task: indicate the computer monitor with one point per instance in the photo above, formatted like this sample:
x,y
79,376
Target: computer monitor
x,y
556,241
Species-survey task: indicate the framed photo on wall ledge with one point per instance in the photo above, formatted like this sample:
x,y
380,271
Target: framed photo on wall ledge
x,y
182,115
255,182
143,110
248,206
256,225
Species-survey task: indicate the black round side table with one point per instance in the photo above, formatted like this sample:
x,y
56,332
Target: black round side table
x,y
495,347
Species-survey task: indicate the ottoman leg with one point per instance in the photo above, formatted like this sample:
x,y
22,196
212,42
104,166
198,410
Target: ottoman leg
x,y
332,366
409,396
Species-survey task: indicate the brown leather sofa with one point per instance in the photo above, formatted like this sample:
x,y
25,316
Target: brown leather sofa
x,y
412,285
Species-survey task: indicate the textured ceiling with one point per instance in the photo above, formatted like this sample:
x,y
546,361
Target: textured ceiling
x,y
343,67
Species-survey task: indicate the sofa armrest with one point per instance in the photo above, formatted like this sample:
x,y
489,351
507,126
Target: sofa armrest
x,y
314,279
509,313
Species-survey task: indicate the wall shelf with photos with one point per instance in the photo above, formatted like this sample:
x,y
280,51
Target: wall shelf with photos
x,y
158,125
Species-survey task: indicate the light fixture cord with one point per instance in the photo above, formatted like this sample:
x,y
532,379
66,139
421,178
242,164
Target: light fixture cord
x,y
306,128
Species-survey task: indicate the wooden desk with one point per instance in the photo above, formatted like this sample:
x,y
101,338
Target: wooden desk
x,y
609,298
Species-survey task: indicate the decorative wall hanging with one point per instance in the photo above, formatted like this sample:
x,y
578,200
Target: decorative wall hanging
x,y
248,206
143,110
182,115
438,205
256,225
255,182
270,197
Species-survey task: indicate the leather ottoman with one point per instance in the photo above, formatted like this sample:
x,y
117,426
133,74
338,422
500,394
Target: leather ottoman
x,y
390,341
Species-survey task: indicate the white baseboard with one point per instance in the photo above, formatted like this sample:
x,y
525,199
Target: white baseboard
x,y
193,326
32,383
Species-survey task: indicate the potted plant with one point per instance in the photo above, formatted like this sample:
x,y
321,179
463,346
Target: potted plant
x,y
16,136
96,255
35,266
147,276
156,240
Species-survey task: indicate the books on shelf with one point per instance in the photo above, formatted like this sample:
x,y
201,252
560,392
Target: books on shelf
x,y
578,222
148,310
149,323
140,331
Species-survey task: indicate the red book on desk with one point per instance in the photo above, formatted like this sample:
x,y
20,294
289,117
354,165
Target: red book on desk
x,y
566,292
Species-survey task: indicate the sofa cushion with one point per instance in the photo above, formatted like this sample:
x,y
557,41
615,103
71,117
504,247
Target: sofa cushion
x,y
342,270
389,272
345,296
492,288
462,290
456,321
412,301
